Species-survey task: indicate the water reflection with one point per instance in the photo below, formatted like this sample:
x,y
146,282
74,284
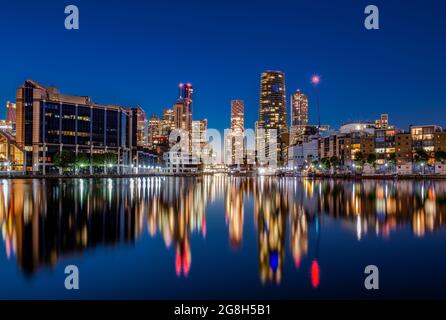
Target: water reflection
x,y
45,221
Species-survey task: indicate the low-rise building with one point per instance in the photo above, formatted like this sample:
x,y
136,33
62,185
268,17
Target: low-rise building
x,y
403,148
304,153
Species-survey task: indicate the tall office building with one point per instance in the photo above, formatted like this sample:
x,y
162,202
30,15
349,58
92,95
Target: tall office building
x,y
183,115
299,116
299,109
272,112
155,130
236,135
183,107
168,122
48,122
186,91
237,115
199,139
142,135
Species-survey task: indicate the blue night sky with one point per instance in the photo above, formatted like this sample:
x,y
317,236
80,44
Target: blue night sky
x,y
136,52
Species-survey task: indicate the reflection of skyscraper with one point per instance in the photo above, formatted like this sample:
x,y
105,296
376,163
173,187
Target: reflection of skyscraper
x,y
272,112
235,196
271,209
177,211
299,235
92,216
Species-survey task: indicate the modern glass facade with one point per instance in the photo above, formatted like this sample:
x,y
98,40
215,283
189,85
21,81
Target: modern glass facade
x,y
49,122
272,111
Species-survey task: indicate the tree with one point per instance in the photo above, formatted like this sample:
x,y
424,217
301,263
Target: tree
x,y
64,159
325,162
110,158
359,159
392,158
82,160
440,156
334,161
371,159
104,160
421,157
97,159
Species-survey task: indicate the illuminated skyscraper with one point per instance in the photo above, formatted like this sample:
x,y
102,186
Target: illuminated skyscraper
x,y
154,130
183,115
168,122
237,133
299,115
299,109
141,131
272,112
183,108
199,139
237,114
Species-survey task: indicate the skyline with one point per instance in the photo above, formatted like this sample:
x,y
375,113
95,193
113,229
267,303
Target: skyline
x,y
364,73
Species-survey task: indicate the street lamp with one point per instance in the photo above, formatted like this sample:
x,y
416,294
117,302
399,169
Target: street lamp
x,y
315,80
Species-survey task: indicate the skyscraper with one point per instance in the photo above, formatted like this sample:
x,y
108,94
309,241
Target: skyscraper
x,y
183,115
237,133
168,122
199,139
154,130
299,115
183,107
272,112
237,114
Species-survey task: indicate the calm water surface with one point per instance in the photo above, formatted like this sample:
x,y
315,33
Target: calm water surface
x,y
222,238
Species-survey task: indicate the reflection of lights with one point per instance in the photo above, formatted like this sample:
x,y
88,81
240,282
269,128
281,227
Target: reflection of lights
x,y
315,274
178,263
358,227
274,260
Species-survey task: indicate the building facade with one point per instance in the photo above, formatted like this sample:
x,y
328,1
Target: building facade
x,y
273,114
303,154
385,144
48,122
299,116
